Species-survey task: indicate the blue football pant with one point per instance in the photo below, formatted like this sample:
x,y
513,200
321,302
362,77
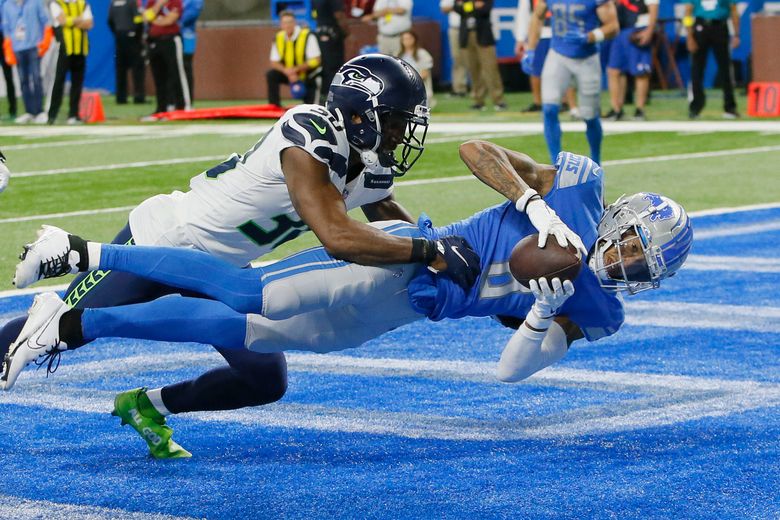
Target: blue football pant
x,y
250,379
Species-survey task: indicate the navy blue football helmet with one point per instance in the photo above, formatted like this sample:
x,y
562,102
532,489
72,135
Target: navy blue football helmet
x,y
382,101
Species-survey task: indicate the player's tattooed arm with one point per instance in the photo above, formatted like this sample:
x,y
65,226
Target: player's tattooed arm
x,y
610,27
386,209
537,20
508,172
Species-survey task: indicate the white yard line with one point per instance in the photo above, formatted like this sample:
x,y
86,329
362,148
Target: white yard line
x,y
666,400
24,509
473,128
742,264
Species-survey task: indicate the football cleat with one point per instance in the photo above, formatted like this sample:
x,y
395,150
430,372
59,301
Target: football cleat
x,y
49,256
39,338
153,430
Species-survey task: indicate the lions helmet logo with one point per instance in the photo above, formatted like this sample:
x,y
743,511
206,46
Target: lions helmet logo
x,y
660,209
359,78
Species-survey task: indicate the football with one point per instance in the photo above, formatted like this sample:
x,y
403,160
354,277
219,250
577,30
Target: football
x,y
528,261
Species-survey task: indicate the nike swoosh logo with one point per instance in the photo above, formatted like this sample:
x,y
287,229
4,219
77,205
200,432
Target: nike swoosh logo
x,y
455,250
320,129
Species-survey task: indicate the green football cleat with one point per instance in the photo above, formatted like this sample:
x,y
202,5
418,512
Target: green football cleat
x,y
153,429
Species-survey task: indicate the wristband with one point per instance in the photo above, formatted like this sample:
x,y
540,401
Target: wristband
x,y
423,251
536,322
598,35
522,203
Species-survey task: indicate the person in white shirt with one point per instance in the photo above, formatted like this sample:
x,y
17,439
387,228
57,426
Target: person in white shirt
x,y
393,17
420,59
458,71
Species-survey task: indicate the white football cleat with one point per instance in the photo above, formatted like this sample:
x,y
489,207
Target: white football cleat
x,y
39,337
48,257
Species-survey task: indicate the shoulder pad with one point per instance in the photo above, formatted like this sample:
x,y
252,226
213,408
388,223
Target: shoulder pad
x,y
314,129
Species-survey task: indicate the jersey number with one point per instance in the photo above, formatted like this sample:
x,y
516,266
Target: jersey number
x,y
566,15
286,229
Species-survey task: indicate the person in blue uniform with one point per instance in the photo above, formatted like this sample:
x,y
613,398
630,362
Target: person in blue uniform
x,y
633,244
578,26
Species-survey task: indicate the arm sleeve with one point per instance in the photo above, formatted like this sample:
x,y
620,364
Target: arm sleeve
x,y
525,355
522,20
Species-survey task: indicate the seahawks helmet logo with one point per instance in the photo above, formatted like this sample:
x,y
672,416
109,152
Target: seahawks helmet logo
x,y
359,78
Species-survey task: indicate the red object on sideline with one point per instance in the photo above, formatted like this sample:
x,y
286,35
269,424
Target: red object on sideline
x,y
91,108
763,99
235,112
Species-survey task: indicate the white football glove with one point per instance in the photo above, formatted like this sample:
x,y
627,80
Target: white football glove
x,y
547,222
550,297
5,174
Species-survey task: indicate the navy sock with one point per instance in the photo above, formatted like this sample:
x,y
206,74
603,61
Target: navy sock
x,y
171,318
594,134
189,269
552,130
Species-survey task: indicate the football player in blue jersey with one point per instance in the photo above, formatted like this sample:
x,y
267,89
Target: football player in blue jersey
x,y
314,165
577,28
312,301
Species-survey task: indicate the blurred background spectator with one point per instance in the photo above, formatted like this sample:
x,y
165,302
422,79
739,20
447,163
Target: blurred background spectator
x,y
477,41
125,22
71,19
165,54
631,54
27,34
706,22
332,29
393,17
459,83
359,8
8,74
189,18
420,59
295,60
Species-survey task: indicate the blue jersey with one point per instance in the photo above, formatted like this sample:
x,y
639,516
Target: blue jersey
x,y
572,20
577,198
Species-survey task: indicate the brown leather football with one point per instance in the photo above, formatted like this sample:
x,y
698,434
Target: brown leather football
x,y
528,261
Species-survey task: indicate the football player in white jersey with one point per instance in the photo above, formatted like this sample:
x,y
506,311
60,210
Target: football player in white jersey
x,y
5,173
313,166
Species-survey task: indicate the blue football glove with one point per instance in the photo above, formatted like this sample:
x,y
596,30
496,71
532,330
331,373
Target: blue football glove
x,y
527,62
462,261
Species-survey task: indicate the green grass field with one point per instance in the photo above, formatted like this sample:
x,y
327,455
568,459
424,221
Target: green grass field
x,y
700,182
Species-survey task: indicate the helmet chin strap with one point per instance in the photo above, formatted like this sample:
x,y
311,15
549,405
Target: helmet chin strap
x,y
596,262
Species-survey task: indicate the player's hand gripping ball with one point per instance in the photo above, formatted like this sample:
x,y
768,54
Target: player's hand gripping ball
x,y
528,261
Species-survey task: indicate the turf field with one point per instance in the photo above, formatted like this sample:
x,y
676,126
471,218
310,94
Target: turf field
x,y
674,417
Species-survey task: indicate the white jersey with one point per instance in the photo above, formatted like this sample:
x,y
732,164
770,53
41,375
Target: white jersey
x,y
240,209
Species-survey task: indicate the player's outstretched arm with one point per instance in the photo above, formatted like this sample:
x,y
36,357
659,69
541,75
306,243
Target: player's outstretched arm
x,y
543,338
321,206
521,180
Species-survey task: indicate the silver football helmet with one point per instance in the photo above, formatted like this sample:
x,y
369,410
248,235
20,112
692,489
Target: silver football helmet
x,y
643,239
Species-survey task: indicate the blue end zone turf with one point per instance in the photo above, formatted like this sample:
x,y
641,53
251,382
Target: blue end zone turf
x,y
673,417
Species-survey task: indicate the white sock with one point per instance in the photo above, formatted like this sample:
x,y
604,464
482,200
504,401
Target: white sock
x,y
93,253
155,397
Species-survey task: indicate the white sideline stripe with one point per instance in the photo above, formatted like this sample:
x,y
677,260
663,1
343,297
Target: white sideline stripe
x,y
24,509
697,155
187,160
705,398
704,316
118,166
466,128
84,142
65,215
744,264
733,209
727,231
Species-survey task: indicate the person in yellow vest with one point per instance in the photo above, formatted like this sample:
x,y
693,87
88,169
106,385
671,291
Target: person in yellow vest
x,y
71,20
295,60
